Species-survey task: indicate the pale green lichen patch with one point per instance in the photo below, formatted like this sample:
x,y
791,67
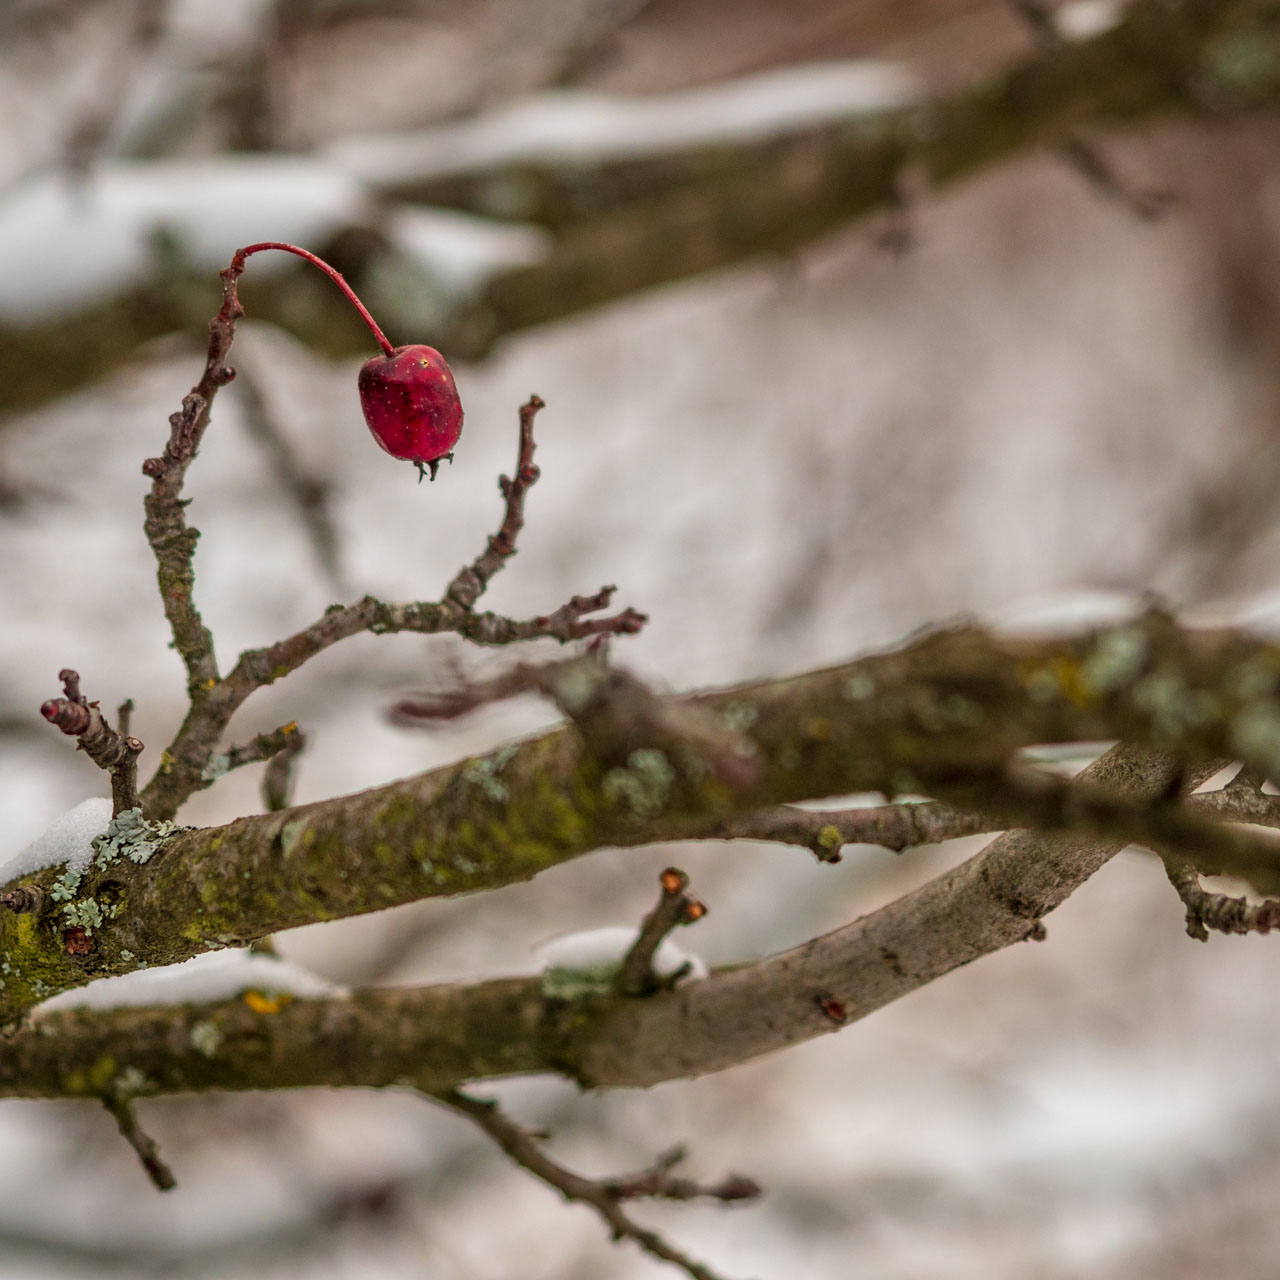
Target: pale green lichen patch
x,y
484,772
1041,684
206,1038
577,684
86,915
218,767
574,984
1115,660
859,688
1244,63
131,836
290,834
644,785
1251,680
65,886
132,1083
1165,696
739,716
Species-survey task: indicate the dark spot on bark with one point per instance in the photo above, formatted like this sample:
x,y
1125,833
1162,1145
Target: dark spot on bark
x,y
890,958
76,942
1023,907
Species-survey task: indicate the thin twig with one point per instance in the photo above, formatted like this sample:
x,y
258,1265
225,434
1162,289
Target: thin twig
x,y
1218,911
148,1153
190,762
278,777
124,717
1147,204
522,1148
111,751
426,707
636,976
172,540
826,831
470,583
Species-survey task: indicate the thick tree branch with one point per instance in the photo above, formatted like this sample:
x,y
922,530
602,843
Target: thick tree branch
x,y
941,716
435,1038
649,221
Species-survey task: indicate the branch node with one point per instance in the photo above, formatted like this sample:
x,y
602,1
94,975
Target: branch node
x,y
1219,911
605,1196
113,752
636,976
23,900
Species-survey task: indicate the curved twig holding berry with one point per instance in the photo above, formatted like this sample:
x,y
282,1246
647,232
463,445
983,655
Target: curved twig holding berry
x,y
414,383
238,262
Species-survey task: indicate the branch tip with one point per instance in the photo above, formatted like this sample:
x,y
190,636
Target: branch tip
x,y
636,977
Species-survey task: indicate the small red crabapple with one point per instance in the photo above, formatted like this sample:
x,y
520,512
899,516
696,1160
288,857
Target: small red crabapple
x,y
407,393
411,405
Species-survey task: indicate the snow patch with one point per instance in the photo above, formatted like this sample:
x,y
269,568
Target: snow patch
x,y
458,251
571,125
590,959
68,838
1084,19
219,975
1062,613
64,243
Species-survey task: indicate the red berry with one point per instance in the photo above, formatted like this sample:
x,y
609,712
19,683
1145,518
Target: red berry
x,y
411,405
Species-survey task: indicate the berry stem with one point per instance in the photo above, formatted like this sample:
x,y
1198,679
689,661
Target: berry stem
x,y
237,266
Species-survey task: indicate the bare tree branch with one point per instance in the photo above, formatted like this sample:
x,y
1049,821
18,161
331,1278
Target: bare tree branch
x,y
945,715
636,976
436,1038
115,753
470,583
191,762
172,540
1218,911
604,1197
827,831
122,1109
277,778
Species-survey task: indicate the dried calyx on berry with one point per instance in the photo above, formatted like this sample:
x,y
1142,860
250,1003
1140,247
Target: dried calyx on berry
x,y
407,393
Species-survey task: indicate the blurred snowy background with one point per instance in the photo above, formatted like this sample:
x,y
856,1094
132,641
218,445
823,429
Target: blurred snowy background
x,y
783,464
